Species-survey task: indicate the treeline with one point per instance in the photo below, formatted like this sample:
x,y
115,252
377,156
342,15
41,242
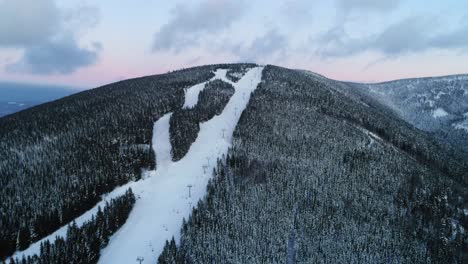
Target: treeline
x,y
185,123
306,181
83,244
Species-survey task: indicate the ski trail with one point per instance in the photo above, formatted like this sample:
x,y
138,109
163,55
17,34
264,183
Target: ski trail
x,y
164,198
161,141
191,94
162,147
158,184
34,248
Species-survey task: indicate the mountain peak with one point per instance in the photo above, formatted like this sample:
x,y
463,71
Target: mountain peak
x,y
188,165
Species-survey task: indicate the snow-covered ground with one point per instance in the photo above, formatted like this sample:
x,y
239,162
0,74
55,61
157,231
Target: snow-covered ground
x,y
163,195
439,112
191,94
168,195
463,124
35,247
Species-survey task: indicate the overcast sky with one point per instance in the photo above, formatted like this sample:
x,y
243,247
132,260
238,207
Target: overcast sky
x,y
94,42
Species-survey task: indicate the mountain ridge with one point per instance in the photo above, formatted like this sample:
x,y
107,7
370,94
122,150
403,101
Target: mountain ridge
x,y
436,105
322,142
449,76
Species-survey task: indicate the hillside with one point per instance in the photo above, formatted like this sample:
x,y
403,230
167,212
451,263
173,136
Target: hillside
x,y
319,174
305,170
437,104
56,169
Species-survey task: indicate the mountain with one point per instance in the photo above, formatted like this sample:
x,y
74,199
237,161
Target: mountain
x,y
438,104
15,97
236,163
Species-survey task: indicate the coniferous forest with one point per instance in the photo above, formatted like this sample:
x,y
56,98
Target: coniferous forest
x,y
83,244
185,123
328,177
60,157
318,172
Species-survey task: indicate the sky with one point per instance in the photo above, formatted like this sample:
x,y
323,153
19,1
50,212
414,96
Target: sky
x,y
90,43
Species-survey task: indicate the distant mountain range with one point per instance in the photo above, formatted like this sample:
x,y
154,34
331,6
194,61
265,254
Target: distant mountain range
x,y
438,105
15,97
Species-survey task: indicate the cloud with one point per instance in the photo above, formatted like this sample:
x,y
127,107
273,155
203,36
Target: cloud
x,y
336,42
80,19
47,35
24,22
269,46
410,35
189,25
348,6
297,12
457,39
58,56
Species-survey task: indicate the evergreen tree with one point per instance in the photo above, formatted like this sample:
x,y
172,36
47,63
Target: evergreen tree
x,y
84,243
24,238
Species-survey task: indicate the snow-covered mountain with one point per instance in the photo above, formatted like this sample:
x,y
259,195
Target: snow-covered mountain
x,y
229,163
436,104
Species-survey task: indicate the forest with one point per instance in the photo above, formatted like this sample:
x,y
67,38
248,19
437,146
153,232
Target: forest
x,y
60,157
318,172
185,123
321,174
434,104
83,244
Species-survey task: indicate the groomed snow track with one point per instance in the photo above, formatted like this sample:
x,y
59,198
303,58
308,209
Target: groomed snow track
x,y
163,199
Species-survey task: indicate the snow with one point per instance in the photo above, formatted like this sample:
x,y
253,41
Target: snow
x,y
162,195
372,136
221,75
237,74
462,125
430,102
439,112
439,94
161,140
35,247
191,94
375,136
164,199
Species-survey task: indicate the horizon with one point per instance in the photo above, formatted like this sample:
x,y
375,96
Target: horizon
x,y
84,88
90,44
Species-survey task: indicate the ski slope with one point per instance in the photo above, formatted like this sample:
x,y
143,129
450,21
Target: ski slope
x,y
34,248
164,199
191,94
162,195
